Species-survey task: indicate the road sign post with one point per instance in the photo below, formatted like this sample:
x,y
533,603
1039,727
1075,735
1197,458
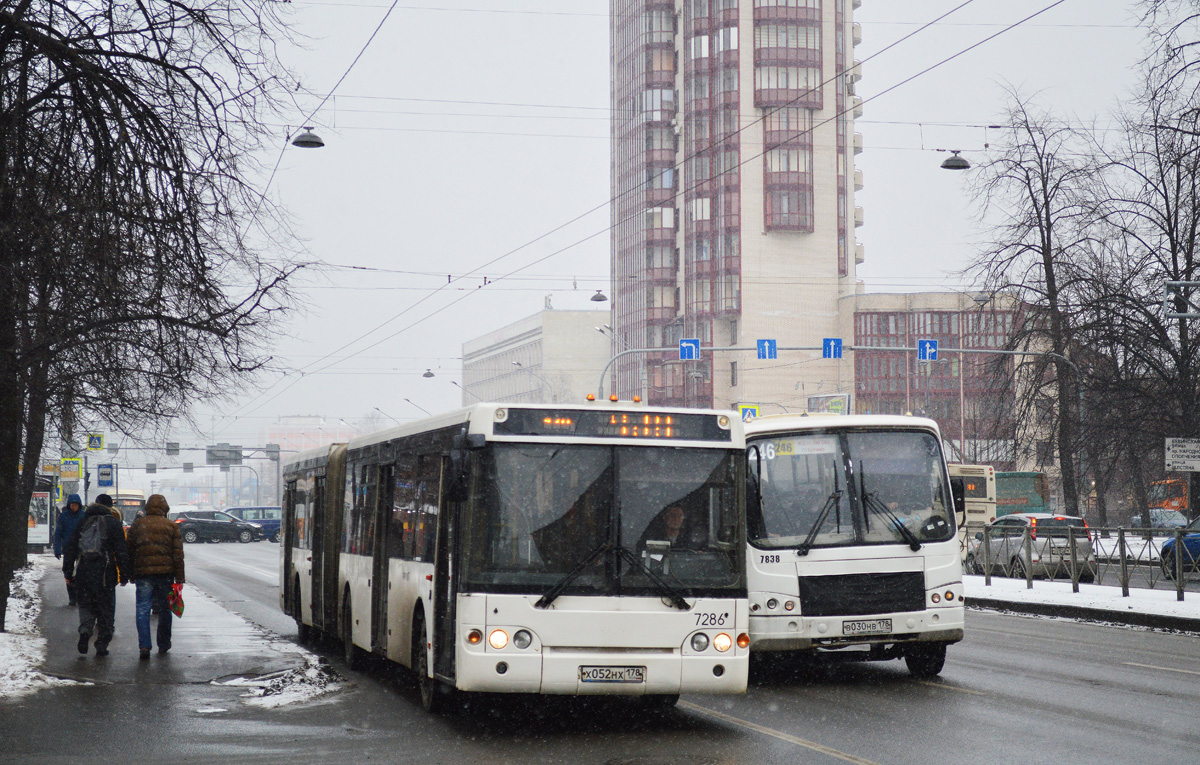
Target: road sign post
x,y
1183,455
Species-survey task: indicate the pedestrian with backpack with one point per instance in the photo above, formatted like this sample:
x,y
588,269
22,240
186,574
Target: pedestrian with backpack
x,y
68,519
156,547
95,561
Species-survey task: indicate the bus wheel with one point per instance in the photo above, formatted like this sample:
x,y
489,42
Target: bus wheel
x,y
925,660
435,696
303,631
353,660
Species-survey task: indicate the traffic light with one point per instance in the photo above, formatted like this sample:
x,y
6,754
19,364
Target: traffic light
x,y
272,451
172,448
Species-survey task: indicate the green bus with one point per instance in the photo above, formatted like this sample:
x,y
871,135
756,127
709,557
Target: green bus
x,y
1022,492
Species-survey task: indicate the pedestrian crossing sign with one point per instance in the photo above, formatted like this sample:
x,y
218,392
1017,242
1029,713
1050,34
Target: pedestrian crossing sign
x,y
95,442
749,412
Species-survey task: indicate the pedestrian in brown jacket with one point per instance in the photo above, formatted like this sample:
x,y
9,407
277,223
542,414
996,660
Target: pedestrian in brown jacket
x,y
156,547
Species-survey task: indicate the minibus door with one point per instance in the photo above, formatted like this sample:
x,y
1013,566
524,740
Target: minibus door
x,y
380,576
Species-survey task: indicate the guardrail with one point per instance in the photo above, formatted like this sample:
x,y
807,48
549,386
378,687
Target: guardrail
x,y
1143,557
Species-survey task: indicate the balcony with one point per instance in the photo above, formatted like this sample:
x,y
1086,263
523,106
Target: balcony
x,y
811,99
783,56
858,180
780,13
860,253
661,78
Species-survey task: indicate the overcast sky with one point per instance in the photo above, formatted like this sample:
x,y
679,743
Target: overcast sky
x,y
470,128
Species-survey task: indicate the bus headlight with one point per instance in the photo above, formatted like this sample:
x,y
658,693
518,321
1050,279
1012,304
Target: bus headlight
x,y
772,604
936,598
743,640
722,642
699,642
475,637
498,639
522,639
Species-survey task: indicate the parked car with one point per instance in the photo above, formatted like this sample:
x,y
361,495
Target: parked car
x,y
1191,551
213,526
1160,518
1049,550
268,516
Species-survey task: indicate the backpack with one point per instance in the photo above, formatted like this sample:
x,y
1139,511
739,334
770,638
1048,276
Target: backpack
x,y
92,542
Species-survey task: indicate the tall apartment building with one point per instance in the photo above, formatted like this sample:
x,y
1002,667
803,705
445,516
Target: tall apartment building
x,y
733,180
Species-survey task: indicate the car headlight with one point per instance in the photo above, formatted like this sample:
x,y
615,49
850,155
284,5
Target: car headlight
x,y
256,525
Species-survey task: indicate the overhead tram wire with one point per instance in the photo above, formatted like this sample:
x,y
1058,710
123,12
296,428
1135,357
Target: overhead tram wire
x,y
608,228
676,167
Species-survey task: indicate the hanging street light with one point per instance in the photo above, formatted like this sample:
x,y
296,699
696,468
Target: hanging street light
x,y
955,162
308,139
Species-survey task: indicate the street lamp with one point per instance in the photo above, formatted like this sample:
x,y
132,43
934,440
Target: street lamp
x,y
955,162
307,139
428,373
529,371
423,409
599,297
385,414
464,390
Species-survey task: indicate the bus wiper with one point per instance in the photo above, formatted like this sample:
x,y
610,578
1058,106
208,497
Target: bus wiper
x,y
833,499
667,591
874,504
562,584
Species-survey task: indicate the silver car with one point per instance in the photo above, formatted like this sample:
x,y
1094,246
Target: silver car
x,y
1049,551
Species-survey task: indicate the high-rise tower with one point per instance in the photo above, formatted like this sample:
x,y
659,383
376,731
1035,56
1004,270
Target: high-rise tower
x,y
733,182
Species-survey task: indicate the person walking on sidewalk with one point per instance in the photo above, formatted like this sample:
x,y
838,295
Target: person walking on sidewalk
x,y
156,547
96,560
68,519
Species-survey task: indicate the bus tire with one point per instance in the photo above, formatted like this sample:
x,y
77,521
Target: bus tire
x,y
350,651
303,631
925,660
435,696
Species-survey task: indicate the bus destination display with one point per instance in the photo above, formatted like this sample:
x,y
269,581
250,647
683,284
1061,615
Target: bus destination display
x,y
601,423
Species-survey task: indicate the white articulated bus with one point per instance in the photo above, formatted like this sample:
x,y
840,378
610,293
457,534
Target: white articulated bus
x,y
595,549
852,546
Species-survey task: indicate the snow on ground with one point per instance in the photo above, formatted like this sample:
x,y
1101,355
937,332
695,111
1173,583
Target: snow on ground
x,y
1161,602
316,678
22,648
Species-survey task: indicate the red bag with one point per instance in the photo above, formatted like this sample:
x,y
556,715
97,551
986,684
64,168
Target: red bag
x,y
175,599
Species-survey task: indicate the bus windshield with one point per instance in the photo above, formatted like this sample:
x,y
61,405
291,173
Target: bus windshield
x,y
847,489
636,517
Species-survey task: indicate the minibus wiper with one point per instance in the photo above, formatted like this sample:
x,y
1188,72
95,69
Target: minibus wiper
x,y
875,505
562,584
668,592
834,498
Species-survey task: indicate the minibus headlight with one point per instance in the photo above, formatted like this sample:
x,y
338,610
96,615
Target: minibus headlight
x,y
949,594
772,604
699,641
498,639
936,598
789,605
522,639
722,642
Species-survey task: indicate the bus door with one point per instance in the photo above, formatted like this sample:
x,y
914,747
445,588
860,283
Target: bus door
x,y
289,539
380,576
316,537
444,575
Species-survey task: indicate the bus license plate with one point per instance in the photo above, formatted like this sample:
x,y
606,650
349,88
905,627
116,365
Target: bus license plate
x,y
612,674
867,627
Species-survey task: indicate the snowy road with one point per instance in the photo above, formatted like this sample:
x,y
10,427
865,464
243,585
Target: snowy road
x,y
1017,689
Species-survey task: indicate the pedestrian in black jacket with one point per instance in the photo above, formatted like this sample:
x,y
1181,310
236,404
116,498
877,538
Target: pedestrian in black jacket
x,y
96,574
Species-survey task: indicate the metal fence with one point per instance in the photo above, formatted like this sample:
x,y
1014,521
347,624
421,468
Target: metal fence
x,y
1140,558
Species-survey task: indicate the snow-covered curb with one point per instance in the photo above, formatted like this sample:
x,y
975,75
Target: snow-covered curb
x,y
22,648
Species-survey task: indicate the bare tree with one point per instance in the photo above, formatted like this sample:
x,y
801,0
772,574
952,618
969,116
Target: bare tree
x,y
132,281
1034,189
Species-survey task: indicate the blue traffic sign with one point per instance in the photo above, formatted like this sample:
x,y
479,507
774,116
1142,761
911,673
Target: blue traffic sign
x,y
927,350
767,349
689,349
749,412
831,348
95,441
106,475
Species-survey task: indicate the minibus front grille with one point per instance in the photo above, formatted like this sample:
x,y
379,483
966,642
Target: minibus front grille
x,y
851,594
